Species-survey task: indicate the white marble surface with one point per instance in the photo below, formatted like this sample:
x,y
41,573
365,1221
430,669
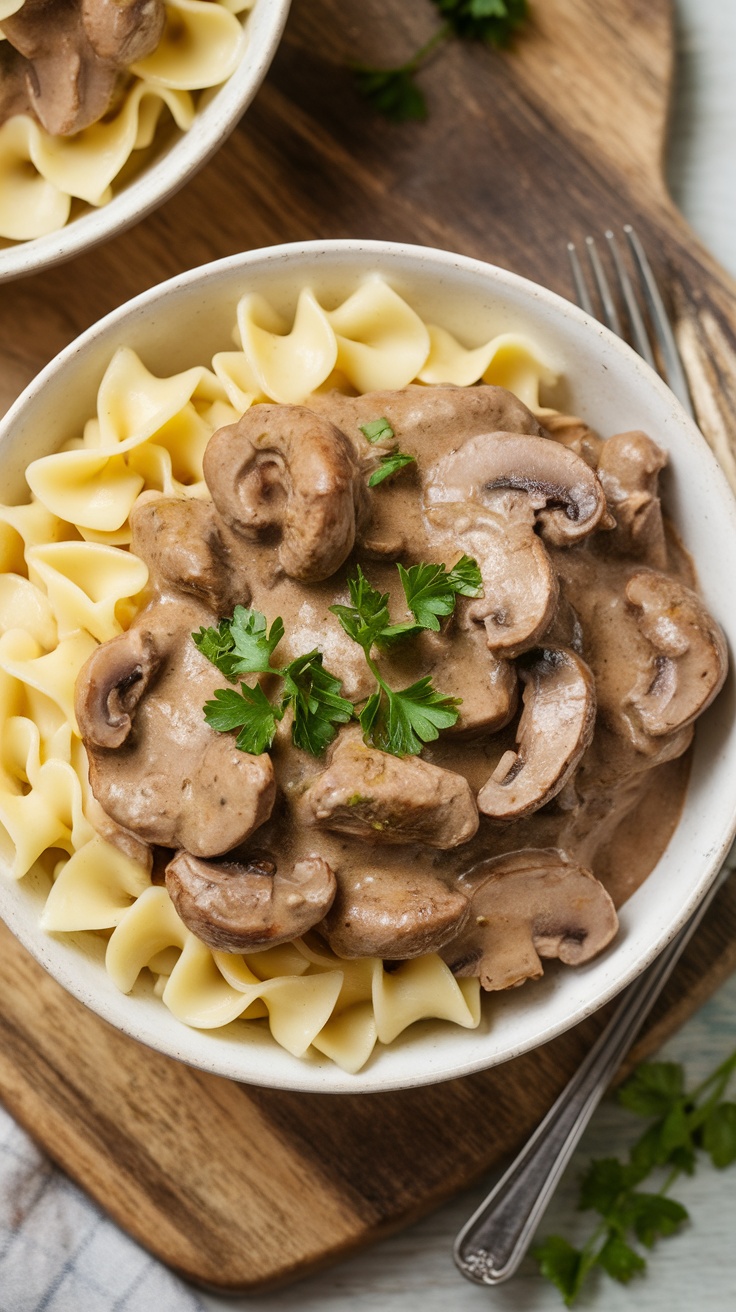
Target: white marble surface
x,y
696,1269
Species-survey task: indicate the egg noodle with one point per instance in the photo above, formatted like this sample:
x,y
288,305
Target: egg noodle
x,y
40,174
70,582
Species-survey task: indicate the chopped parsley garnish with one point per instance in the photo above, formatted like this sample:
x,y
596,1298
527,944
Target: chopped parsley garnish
x,y
389,465
399,721
378,430
244,645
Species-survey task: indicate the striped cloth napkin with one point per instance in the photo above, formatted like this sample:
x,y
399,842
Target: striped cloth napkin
x,y
60,1253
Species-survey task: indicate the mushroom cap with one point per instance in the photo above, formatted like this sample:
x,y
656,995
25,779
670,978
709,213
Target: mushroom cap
x,y
555,729
628,468
238,907
389,799
689,655
393,915
285,469
155,765
525,906
560,486
520,585
110,686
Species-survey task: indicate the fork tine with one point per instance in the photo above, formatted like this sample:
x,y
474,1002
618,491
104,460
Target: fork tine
x,y
581,286
639,332
610,313
674,372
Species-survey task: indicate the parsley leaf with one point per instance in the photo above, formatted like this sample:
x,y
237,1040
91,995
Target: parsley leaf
x,y
378,430
653,1089
430,591
218,645
684,1122
620,1260
368,615
248,710
318,708
494,21
242,644
393,92
719,1134
390,464
253,643
400,722
561,1264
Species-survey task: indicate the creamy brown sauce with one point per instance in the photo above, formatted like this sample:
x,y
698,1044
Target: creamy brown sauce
x,y
616,811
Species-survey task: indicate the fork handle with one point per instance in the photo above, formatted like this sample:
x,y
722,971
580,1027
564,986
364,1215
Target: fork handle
x,y
492,1244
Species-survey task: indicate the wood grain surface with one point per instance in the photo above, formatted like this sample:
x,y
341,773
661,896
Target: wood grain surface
x,y
240,1188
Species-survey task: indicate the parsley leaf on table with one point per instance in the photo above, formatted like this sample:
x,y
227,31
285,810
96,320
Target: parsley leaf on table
x,y
394,93
494,21
684,1123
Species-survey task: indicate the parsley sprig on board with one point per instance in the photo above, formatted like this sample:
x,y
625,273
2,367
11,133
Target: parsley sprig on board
x,y
395,93
682,1124
244,645
400,721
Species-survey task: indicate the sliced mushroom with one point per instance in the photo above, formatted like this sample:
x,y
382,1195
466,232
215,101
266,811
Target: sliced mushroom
x,y
389,799
239,907
629,467
689,659
560,486
393,915
525,906
155,765
284,470
123,31
111,685
70,54
520,585
575,433
555,728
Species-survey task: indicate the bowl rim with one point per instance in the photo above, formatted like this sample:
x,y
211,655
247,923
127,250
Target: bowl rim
x,y
302,1076
159,181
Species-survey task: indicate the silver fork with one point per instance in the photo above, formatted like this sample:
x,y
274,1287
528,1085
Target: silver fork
x,y
491,1246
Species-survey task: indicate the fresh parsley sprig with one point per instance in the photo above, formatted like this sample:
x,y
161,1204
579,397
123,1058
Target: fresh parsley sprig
x,y
395,93
244,645
401,721
682,1124
380,430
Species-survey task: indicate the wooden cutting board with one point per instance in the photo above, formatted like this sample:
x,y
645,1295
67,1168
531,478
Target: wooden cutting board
x,y
240,1188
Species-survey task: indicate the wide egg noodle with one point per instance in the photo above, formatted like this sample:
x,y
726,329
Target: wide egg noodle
x,y
69,582
40,174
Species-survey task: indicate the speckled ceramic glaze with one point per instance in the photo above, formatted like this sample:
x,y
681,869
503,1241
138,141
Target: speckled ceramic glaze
x,y
614,390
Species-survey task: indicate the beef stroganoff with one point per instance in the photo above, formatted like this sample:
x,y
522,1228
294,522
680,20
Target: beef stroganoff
x,y
342,887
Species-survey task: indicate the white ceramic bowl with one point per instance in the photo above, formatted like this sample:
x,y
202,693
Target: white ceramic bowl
x,y
168,168
609,385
